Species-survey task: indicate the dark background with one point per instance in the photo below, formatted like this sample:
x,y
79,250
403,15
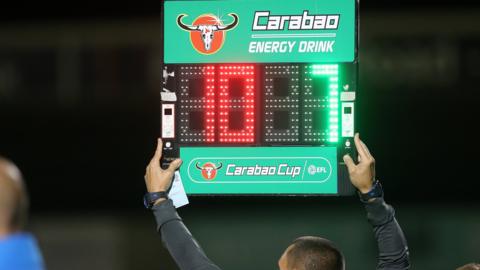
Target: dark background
x,y
79,114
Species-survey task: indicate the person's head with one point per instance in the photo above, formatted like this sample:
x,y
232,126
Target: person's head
x,y
470,266
13,198
311,253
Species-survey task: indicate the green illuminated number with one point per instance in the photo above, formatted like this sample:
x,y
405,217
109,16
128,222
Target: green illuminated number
x,y
320,104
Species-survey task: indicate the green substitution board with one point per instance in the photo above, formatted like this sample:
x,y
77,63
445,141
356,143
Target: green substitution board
x,y
281,73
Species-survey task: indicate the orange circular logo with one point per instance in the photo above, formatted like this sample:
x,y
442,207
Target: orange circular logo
x,y
209,170
207,32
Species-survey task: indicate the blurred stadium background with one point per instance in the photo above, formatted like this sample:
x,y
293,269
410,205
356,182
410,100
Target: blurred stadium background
x,y
79,113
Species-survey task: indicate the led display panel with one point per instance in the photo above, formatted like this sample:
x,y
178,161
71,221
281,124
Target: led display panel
x,y
259,96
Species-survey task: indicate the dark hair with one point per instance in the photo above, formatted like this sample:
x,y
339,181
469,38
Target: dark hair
x,y
470,266
314,253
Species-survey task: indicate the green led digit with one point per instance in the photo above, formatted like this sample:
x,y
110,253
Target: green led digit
x,y
321,120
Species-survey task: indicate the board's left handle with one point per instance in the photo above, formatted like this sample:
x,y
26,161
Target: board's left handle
x,y
170,147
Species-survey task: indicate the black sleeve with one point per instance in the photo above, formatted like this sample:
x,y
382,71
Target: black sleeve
x,y
392,245
178,240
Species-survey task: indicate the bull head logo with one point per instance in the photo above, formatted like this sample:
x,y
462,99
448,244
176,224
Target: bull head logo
x,y
209,170
207,32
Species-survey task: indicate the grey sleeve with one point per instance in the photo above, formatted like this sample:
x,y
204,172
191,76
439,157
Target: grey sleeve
x,y
186,252
392,245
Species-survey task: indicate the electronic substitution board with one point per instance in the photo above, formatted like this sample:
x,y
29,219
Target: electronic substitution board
x,y
259,95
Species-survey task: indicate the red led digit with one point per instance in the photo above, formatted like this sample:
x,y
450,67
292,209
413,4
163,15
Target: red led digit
x,y
210,104
233,102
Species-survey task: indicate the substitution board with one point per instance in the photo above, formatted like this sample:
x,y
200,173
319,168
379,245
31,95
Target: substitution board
x,y
259,96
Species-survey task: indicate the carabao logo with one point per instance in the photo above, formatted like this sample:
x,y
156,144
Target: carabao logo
x,y
209,170
207,32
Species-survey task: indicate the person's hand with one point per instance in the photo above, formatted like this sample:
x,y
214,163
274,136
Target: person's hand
x,y
362,174
156,178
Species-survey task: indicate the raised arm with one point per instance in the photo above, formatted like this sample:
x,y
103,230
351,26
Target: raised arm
x,y
175,236
392,245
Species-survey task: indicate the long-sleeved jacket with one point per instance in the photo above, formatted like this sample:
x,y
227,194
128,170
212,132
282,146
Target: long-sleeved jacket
x,y
187,253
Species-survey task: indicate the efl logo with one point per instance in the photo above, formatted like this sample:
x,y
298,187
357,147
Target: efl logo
x,y
312,170
209,170
207,32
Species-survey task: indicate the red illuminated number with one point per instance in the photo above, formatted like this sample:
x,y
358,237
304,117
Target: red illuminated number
x,y
217,104
236,112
